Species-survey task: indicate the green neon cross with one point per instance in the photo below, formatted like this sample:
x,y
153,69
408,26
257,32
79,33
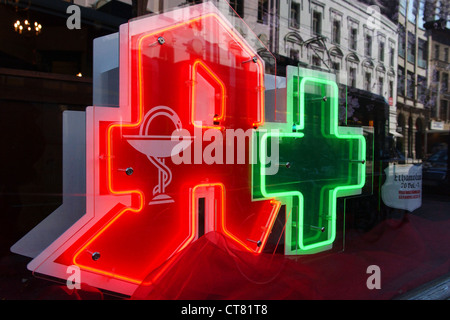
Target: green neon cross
x,y
318,162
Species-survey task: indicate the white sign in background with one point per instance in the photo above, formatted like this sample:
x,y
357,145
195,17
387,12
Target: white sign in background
x,y
403,186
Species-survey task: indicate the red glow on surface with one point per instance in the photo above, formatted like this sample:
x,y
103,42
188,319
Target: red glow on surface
x,y
137,222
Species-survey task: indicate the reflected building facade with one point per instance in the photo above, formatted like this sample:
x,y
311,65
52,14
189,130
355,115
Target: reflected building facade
x,y
438,88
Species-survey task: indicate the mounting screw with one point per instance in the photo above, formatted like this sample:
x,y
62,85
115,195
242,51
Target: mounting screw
x,y
129,171
96,256
258,243
161,40
359,161
254,60
321,229
287,165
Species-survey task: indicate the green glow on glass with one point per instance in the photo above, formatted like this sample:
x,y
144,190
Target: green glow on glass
x,y
327,162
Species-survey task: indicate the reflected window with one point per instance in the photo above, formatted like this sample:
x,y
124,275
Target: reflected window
x,y
263,11
353,38
444,110
238,6
421,88
336,67
421,15
380,85
402,7
316,61
401,81
422,54
294,54
294,18
412,10
367,81
411,47
391,55
444,84
410,84
436,51
317,22
336,32
352,77
368,45
401,41
381,51
391,89
436,76
410,137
